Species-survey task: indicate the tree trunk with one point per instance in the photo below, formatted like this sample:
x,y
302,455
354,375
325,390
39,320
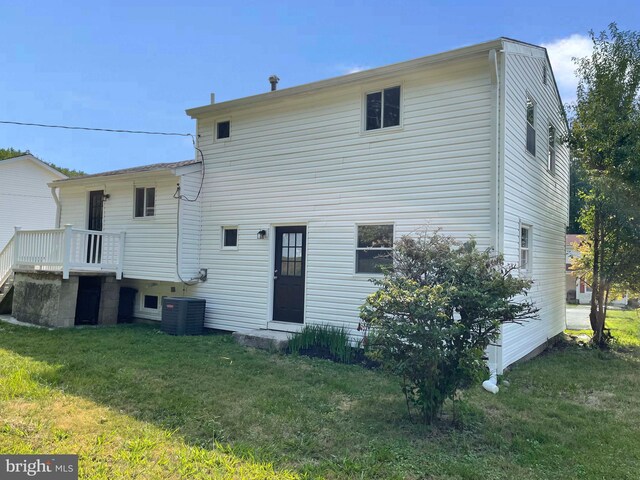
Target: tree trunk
x,y
596,315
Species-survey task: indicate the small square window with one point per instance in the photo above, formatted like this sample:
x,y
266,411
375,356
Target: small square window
x,y
383,109
151,302
373,248
145,202
223,130
229,237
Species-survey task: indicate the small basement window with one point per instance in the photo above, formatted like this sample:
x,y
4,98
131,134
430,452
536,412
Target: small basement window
x,y
383,109
151,302
223,130
145,202
229,237
373,248
525,248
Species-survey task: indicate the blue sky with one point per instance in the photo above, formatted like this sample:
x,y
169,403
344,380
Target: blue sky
x,y
140,64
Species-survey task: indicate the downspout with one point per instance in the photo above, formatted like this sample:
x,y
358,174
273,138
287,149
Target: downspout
x,y
491,385
58,206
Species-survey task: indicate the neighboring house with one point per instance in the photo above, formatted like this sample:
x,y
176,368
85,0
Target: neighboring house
x,y
578,290
25,198
304,188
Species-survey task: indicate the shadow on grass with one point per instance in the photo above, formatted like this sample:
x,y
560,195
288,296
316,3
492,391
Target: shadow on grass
x,y
267,407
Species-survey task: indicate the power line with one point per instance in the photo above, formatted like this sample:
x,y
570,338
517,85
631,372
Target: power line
x,y
112,130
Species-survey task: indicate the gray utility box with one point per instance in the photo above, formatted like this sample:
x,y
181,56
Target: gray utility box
x,y
183,315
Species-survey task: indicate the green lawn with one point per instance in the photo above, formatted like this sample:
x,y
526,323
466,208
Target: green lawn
x,y
134,403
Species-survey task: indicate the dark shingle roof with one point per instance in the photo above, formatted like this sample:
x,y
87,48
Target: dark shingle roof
x,y
140,169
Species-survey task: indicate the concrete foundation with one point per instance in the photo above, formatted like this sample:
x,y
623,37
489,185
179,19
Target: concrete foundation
x,y
44,298
263,339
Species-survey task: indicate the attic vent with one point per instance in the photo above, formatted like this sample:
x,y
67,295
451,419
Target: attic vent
x,y
544,75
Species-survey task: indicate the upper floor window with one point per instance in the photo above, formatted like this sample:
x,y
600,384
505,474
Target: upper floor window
x,y
551,154
223,130
373,249
383,109
145,202
525,248
531,130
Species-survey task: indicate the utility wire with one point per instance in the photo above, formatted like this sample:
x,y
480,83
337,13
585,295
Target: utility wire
x,y
112,130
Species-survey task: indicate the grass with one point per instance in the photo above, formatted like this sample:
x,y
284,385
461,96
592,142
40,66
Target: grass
x,y
135,403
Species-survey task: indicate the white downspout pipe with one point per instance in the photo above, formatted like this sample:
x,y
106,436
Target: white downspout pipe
x,y
58,206
491,385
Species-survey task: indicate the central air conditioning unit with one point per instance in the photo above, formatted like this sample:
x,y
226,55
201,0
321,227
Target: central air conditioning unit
x,y
183,315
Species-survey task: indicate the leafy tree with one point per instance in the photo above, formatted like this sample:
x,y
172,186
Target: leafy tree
x,y
435,313
605,139
6,153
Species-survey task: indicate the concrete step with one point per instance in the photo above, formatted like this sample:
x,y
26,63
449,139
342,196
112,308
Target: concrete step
x,y
263,339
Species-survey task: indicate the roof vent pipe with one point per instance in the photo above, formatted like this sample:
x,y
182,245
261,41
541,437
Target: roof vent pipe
x,y
213,98
273,80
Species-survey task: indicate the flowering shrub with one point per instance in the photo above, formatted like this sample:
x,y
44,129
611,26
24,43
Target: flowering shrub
x,y
436,312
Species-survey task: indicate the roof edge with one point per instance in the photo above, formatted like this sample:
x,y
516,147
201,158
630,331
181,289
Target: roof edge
x,y
350,78
140,170
37,161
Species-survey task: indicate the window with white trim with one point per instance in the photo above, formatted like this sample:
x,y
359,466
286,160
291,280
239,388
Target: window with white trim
x,y
145,202
223,130
525,248
229,237
150,302
531,129
382,109
373,248
551,153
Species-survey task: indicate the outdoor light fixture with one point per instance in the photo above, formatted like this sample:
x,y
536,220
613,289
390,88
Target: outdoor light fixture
x,y
106,197
262,234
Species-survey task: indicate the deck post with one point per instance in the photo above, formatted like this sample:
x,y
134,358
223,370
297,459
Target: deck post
x,y
66,258
120,257
16,245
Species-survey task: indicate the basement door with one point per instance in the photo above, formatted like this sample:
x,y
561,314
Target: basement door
x,y
94,222
289,274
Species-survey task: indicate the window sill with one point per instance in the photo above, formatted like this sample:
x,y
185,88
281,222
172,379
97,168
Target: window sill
x,y
384,130
231,249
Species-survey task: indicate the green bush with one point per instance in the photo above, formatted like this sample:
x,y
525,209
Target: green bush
x,y
436,312
325,341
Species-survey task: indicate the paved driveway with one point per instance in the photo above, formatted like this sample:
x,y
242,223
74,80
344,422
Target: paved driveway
x,y
578,317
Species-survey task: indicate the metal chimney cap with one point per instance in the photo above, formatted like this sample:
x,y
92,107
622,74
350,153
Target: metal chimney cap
x,y
273,80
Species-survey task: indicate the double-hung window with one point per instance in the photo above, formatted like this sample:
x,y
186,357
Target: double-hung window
x,y
383,109
551,154
525,248
531,129
373,249
145,202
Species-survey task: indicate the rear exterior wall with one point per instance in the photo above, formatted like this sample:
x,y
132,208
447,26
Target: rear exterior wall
x,y
306,160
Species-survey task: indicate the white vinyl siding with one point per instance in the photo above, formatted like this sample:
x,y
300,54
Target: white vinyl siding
x,y
150,244
533,196
309,163
25,198
190,225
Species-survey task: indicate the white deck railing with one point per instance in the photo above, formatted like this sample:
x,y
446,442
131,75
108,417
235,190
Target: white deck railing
x,y
66,249
6,262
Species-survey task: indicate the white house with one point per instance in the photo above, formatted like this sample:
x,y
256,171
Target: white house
x,y
294,193
25,198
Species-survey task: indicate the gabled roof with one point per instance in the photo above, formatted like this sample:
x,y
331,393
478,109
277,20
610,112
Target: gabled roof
x,y
365,75
127,171
30,158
